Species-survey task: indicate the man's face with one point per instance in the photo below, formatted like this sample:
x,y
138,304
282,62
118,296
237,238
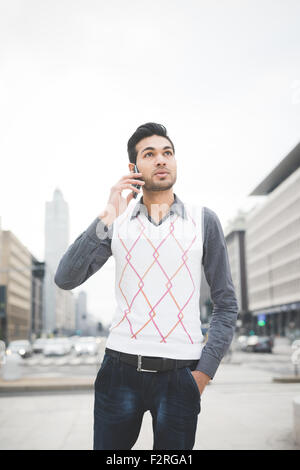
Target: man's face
x,y
155,154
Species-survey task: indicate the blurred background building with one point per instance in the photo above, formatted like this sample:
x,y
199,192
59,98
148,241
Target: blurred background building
x,y
235,240
87,324
16,283
273,250
59,305
264,254
38,272
31,305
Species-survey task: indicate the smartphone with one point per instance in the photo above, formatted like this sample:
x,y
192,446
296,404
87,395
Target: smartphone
x,y
136,185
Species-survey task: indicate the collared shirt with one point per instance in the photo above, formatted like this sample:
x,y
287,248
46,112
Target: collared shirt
x,y
177,207
88,253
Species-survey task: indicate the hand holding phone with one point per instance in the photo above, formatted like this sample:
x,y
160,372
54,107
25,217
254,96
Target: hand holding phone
x,y
116,203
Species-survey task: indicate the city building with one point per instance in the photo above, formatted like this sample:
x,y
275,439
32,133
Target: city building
x,y
86,323
65,312
235,241
273,251
15,288
59,305
38,272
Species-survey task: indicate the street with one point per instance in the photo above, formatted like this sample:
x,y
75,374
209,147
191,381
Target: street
x,y
242,408
278,362
69,365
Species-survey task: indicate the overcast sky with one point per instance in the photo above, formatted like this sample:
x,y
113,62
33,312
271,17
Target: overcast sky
x,y
78,77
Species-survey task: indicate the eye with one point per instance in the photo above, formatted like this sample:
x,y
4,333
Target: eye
x,y
151,153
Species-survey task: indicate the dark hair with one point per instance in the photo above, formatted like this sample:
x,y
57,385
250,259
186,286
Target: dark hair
x,y
145,130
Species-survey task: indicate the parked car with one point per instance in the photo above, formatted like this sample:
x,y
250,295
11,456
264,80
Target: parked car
x,y
57,347
87,345
260,344
241,342
38,345
21,347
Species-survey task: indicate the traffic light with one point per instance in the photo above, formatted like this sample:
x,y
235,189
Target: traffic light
x,y
261,320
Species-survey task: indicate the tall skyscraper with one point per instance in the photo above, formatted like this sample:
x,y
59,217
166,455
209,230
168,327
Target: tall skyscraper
x,y
57,231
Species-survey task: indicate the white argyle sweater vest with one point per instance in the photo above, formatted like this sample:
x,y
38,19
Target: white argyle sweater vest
x,y
157,285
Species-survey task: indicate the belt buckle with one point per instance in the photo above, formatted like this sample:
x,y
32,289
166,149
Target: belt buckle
x,y
139,368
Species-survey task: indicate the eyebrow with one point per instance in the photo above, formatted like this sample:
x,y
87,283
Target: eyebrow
x,y
152,148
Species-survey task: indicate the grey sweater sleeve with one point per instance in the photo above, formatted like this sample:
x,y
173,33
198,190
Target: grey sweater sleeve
x,y
225,306
87,254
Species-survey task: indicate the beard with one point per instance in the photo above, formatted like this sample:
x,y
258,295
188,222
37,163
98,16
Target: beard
x,y
162,185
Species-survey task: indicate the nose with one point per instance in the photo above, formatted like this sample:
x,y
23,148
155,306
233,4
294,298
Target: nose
x,y
160,159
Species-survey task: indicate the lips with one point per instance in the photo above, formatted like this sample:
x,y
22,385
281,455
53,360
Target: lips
x,y
161,172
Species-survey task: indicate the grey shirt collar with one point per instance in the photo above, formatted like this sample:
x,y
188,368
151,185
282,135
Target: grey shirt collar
x,y
176,207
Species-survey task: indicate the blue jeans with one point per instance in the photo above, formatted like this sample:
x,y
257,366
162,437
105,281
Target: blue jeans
x,y
122,395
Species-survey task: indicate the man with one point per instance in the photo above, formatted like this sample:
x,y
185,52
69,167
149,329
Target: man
x,y
155,357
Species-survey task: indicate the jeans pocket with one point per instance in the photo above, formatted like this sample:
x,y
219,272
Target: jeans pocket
x,y
107,360
193,382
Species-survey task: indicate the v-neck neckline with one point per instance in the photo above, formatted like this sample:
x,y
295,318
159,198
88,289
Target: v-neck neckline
x,y
161,221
